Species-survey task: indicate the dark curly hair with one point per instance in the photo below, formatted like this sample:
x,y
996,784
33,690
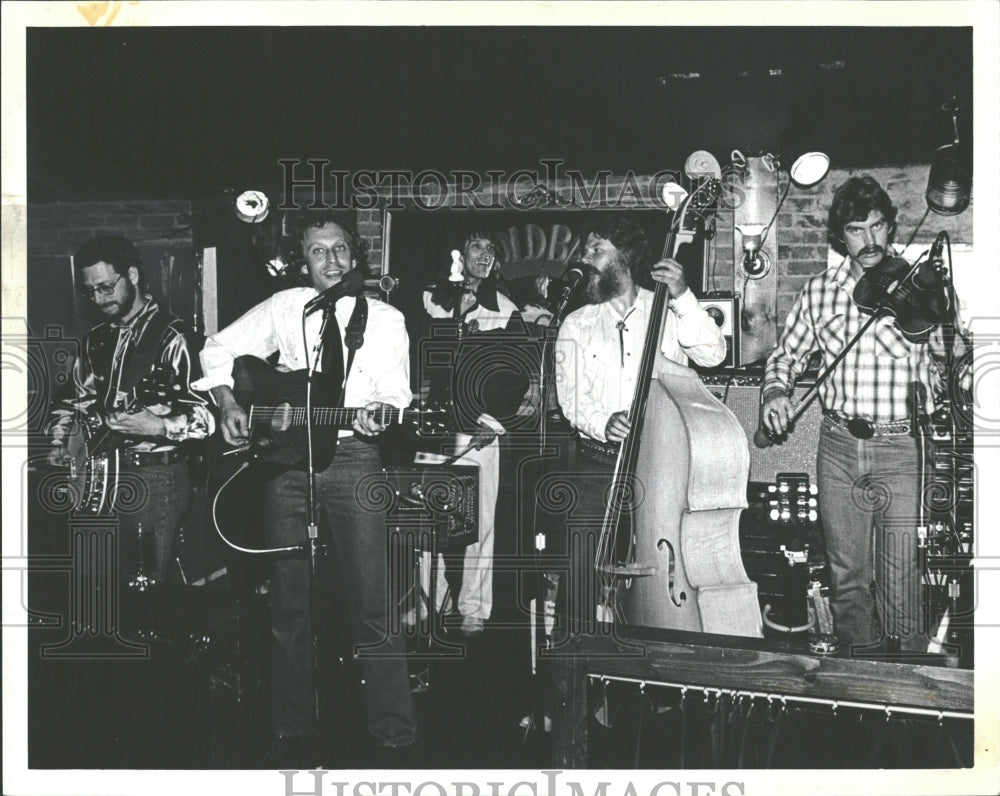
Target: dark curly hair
x,y
853,201
309,219
626,236
118,252
444,295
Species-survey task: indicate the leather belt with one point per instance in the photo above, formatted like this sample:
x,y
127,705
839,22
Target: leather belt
x,y
865,429
146,458
594,450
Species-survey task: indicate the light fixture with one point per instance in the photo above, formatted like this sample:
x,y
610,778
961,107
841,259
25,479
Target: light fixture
x,y
755,263
806,165
673,195
252,207
801,155
949,184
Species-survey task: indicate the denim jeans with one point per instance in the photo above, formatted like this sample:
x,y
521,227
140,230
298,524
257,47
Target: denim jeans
x,y
158,496
868,492
585,488
360,539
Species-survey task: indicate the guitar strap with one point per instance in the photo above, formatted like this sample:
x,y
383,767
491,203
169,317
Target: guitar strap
x,y
354,337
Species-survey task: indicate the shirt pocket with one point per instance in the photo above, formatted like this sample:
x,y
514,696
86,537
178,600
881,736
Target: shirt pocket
x,y
600,356
889,341
831,335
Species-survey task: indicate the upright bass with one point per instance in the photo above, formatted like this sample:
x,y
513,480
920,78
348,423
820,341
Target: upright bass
x,y
683,472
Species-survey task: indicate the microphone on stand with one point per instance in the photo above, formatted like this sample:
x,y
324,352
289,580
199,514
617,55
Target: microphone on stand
x,y
917,399
351,283
384,283
572,278
937,249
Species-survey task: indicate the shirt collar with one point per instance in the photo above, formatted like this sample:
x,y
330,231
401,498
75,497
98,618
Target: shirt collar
x,y
147,309
642,302
842,273
486,295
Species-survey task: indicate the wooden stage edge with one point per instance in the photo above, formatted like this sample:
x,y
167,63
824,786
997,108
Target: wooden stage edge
x,y
731,663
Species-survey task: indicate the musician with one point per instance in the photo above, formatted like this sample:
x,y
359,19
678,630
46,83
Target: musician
x,y
377,377
486,383
868,488
599,348
135,336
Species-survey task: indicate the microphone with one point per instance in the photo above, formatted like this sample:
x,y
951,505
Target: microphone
x,y
917,395
571,279
937,250
384,283
762,439
352,283
928,275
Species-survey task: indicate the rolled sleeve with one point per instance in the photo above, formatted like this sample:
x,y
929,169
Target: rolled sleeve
x,y
698,335
391,384
253,333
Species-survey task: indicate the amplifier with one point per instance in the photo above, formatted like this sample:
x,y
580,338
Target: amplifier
x,y
781,547
741,394
724,308
443,496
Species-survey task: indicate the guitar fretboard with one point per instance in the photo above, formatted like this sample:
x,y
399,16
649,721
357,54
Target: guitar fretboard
x,y
288,415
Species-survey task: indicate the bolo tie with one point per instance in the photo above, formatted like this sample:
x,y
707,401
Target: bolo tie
x,y
622,328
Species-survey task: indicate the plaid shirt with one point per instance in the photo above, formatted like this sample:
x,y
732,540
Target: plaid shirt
x,y
872,381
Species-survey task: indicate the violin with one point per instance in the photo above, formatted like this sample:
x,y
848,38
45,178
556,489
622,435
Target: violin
x,y
913,295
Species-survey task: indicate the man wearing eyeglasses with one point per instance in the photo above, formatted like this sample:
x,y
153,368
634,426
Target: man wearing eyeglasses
x,y
135,338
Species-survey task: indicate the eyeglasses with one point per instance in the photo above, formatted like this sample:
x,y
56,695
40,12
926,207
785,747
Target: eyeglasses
x,y
100,290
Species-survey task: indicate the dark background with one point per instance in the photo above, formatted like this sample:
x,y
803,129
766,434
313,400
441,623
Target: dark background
x,y
182,112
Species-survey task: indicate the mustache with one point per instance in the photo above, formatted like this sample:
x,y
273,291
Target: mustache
x,y
872,250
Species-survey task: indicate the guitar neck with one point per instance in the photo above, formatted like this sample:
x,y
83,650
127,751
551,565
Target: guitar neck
x,y
341,416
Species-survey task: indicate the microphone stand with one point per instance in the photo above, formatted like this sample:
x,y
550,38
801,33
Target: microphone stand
x,y
763,439
313,546
537,717
921,421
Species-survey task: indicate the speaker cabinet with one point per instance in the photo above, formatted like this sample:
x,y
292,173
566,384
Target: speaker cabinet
x,y
797,454
725,311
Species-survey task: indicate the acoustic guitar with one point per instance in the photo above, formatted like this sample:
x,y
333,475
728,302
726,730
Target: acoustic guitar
x,y
275,403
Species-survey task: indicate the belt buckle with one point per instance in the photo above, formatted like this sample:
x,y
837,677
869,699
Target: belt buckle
x,y
860,429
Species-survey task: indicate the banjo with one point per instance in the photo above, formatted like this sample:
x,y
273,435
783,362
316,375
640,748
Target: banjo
x,y
92,449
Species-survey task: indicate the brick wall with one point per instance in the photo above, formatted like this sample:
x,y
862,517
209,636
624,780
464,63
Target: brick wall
x,y
56,230
802,247
800,227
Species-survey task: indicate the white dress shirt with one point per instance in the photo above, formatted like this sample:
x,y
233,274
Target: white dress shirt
x,y
598,352
381,368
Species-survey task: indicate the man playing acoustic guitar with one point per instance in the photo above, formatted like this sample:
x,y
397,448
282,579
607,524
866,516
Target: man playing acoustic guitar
x,y
377,376
136,338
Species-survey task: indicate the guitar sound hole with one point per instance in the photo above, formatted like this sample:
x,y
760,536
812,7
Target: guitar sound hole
x,y
281,420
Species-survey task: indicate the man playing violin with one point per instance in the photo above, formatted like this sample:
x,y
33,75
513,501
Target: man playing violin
x,y
135,337
867,462
598,353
